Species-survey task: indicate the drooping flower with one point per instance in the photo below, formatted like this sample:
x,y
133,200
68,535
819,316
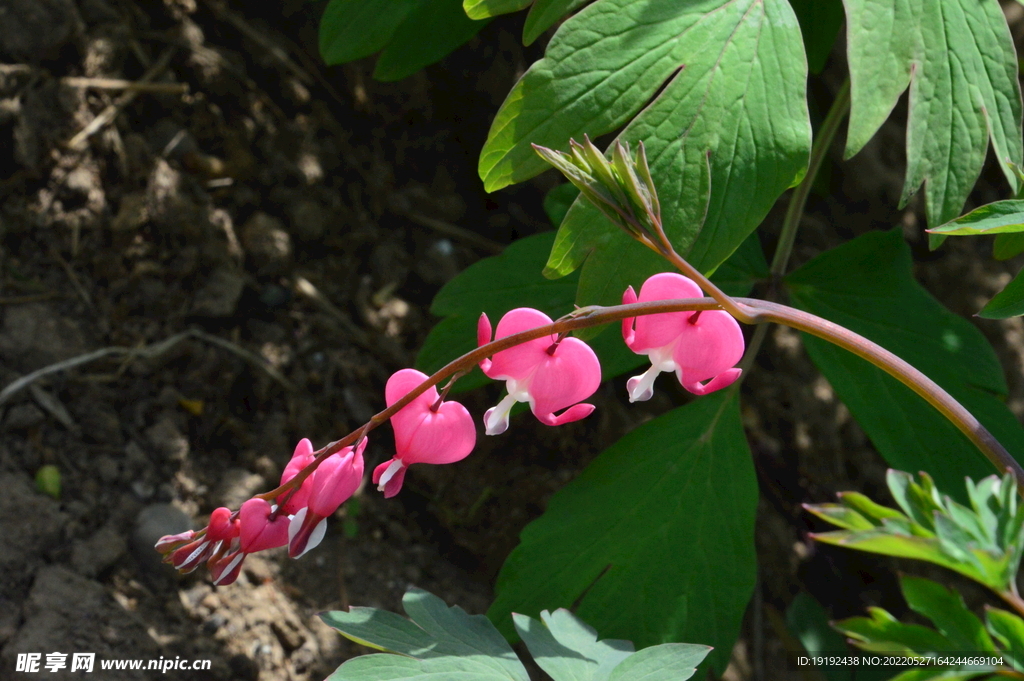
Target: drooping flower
x,y
302,457
427,430
260,528
332,483
549,373
697,346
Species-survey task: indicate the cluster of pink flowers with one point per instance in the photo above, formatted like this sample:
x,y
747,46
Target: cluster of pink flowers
x,y
554,374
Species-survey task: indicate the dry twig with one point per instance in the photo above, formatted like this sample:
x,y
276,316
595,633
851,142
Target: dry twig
x,y
145,352
106,116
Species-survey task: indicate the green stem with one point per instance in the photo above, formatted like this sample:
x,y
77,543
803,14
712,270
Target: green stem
x,y
797,202
750,308
795,211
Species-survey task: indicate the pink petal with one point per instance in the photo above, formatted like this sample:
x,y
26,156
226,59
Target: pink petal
x,y
659,330
225,570
394,484
483,337
707,348
305,532
169,542
519,362
722,380
571,374
258,532
573,413
445,436
221,526
408,419
628,298
337,479
302,457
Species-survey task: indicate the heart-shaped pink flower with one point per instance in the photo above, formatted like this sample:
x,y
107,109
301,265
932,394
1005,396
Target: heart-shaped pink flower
x,y
332,483
427,430
258,531
549,373
697,346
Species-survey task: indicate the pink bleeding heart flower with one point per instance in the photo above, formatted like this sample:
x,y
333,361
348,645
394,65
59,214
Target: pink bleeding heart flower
x,y
302,457
260,528
549,374
697,346
427,430
332,483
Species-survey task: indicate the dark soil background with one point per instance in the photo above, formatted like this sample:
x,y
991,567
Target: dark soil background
x,y
259,238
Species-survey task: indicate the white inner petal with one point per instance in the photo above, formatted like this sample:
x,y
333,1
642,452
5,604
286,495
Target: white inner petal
x,y
389,472
496,418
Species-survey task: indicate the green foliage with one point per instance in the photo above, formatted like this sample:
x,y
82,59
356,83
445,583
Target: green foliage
x,y
410,34
1000,217
960,633
1007,303
867,286
957,57
543,14
726,135
442,642
655,538
983,541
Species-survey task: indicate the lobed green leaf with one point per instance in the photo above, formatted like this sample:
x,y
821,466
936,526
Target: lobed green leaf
x,y
654,539
958,59
725,135
435,631
567,648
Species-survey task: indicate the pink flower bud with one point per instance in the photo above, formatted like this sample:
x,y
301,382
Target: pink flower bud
x,y
423,433
697,346
302,457
549,373
334,481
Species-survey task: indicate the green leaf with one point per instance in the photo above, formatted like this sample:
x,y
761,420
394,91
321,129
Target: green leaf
x,y
1007,246
819,23
567,648
665,662
725,136
484,9
917,548
353,29
841,516
958,58
1009,630
397,668
1001,217
1007,303
867,286
544,14
429,32
946,609
496,285
881,632
435,631
868,508
654,538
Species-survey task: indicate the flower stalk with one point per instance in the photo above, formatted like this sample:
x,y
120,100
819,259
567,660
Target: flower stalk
x,y
759,310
